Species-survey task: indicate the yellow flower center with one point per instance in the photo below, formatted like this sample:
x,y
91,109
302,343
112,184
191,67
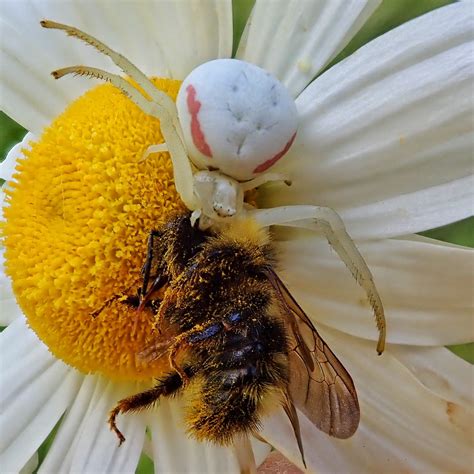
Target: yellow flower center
x,y
77,220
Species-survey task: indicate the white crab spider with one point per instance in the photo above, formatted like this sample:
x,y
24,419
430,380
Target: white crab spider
x,y
213,183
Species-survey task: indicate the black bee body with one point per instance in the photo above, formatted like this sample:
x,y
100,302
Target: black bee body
x,y
232,349
249,364
235,338
237,349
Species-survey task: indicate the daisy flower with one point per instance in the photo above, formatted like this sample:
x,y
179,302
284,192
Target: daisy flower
x,y
384,137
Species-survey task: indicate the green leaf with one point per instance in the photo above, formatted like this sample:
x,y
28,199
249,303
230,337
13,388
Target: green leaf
x,y
145,465
465,351
46,445
240,10
390,14
460,233
10,134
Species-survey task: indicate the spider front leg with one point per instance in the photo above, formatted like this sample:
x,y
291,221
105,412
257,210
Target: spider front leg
x,y
158,148
182,170
161,105
327,221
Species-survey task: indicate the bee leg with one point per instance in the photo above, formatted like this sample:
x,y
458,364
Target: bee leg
x,y
189,338
292,415
146,269
145,292
109,301
327,221
143,400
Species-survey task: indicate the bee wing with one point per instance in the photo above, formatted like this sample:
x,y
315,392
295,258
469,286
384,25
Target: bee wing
x,y
319,385
160,345
154,350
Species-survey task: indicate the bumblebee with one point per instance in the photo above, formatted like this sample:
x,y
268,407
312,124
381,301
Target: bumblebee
x,y
235,338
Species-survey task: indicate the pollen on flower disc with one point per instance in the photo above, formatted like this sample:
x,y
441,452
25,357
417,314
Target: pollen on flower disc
x,y
78,215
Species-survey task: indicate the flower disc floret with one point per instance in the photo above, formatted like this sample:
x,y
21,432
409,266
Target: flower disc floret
x,y
78,215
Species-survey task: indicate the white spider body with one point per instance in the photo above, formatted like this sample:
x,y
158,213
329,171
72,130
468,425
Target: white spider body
x,y
236,118
237,152
220,196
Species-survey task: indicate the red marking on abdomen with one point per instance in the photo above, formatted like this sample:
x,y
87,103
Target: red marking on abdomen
x,y
266,164
198,136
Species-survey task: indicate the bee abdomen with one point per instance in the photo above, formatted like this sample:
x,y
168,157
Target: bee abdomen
x,y
235,382
228,406
243,355
229,379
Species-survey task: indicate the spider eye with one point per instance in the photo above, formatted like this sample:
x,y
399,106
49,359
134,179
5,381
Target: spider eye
x,y
236,117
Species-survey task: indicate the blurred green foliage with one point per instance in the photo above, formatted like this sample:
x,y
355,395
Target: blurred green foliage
x,y
10,134
46,445
390,14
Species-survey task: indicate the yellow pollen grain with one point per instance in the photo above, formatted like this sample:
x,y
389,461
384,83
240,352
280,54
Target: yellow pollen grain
x,y
78,214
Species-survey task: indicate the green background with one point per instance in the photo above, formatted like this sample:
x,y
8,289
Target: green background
x,y
390,14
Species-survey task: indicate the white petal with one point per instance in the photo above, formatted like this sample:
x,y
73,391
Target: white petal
x,y
414,212
9,307
294,40
260,450
84,442
425,286
31,465
29,53
404,427
59,455
439,370
191,33
25,360
34,411
175,451
7,166
96,448
386,135
158,37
